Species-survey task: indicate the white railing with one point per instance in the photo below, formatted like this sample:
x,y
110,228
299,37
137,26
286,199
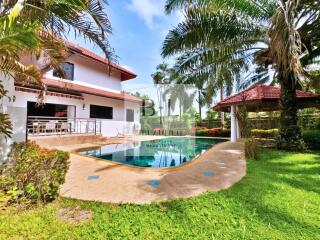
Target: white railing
x,y
45,126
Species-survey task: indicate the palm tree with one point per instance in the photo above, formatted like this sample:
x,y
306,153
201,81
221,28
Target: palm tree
x,y
179,92
36,27
160,78
278,35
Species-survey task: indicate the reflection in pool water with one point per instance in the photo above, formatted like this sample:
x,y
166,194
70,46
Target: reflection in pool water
x,y
162,153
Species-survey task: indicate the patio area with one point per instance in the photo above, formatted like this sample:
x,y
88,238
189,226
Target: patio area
x,y
102,181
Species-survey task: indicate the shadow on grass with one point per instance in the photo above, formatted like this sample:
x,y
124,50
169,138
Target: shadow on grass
x,y
276,175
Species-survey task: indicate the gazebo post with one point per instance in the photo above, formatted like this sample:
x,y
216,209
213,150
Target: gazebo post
x,y
237,125
233,124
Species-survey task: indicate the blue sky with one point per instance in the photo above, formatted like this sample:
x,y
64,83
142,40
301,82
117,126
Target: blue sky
x,y
139,28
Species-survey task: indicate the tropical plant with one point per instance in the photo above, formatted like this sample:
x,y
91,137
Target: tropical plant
x,y
35,28
33,174
180,93
160,78
282,36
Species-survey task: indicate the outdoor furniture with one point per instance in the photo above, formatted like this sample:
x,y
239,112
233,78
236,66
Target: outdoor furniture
x,y
50,127
35,128
63,127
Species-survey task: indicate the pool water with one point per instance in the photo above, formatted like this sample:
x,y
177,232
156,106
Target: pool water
x,y
162,153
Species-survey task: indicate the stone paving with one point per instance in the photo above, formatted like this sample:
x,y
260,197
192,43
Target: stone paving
x,y
98,180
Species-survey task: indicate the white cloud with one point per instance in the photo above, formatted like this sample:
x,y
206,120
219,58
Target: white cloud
x,y
147,10
128,67
180,16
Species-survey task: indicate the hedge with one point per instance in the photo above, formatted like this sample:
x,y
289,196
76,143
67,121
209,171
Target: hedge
x,y
213,132
270,133
312,139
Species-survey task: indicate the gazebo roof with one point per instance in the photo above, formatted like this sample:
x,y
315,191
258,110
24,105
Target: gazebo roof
x,y
265,98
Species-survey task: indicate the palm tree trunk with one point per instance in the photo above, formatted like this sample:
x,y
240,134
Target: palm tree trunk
x,y
290,133
160,107
180,108
200,105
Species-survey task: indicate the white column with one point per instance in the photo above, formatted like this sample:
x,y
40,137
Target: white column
x,y
233,124
238,129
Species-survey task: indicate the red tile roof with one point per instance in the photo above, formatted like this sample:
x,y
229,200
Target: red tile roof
x,y
125,73
90,90
258,93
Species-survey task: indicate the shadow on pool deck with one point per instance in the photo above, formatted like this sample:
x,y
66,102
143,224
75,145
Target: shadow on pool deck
x,y
124,184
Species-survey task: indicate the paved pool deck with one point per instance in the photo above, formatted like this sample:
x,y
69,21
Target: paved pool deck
x,y
102,181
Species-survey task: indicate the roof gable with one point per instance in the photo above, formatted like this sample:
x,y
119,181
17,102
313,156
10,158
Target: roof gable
x,y
125,73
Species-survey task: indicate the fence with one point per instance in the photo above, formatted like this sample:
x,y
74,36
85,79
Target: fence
x,y
44,126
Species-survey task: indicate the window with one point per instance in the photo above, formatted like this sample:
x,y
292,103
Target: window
x,y
48,110
130,115
101,112
68,69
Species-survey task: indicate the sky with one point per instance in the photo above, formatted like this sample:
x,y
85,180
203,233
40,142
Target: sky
x,y
139,28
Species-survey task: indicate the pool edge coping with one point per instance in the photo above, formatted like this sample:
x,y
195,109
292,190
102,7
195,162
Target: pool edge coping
x,y
135,168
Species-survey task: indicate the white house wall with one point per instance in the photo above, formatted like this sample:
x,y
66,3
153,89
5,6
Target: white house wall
x,y
91,73
117,125
18,116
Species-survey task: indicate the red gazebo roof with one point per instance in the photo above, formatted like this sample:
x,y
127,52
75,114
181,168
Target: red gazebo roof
x,y
265,98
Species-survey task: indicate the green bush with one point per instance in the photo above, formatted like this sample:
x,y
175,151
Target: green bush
x,y
260,133
312,139
251,148
212,132
33,174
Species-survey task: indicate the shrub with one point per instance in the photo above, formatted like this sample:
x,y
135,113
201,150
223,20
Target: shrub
x,y
213,132
223,133
260,133
251,148
312,139
33,174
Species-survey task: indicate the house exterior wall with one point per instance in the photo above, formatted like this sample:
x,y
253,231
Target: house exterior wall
x,y
91,73
18,116
110,127
87,72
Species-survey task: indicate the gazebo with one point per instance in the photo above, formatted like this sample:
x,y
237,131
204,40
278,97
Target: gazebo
x,y
261,98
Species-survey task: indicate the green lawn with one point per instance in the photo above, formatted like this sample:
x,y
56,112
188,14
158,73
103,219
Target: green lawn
x,y
278,199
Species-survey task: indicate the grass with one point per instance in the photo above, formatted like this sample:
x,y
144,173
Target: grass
x,y
278,199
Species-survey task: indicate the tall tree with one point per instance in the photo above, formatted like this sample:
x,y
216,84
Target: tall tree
x,y
160,78
35,27
180,93
279,35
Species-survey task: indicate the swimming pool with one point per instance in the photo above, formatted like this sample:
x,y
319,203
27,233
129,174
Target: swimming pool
x,y
161,153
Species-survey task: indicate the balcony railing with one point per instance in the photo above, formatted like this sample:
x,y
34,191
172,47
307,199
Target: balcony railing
x,y
46,126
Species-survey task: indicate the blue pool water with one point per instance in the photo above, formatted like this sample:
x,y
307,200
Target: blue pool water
x,y
162,153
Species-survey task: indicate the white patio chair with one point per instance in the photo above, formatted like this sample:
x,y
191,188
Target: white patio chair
x,y
64,127
126,132
50,127
35,128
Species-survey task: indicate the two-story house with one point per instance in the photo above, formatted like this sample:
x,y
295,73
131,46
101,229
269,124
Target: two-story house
x,y
88,100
